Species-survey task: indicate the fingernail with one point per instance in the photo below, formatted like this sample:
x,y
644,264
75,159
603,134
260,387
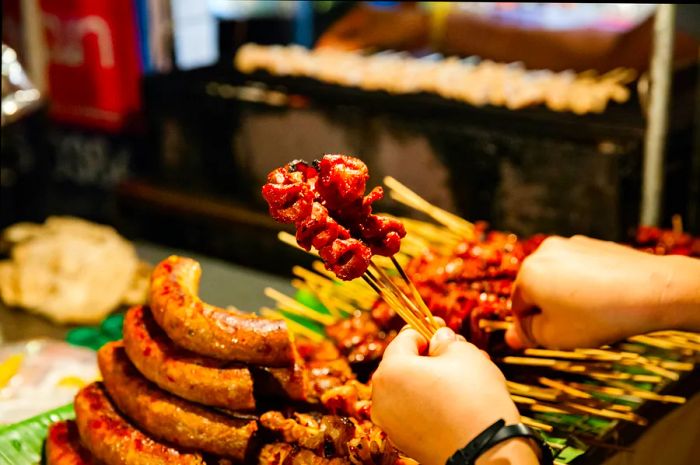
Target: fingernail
x,y
444,334
440,340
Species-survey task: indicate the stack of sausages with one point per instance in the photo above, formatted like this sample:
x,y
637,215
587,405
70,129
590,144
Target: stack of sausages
x,y
192,383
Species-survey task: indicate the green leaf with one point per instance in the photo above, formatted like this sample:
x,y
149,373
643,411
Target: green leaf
x,y
22,443
310,300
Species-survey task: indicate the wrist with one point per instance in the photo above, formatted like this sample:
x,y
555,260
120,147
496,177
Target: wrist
x,y
459,436
501,444
678,304
518,451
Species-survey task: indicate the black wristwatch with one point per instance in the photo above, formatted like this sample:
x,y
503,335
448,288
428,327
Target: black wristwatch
x,y
494,434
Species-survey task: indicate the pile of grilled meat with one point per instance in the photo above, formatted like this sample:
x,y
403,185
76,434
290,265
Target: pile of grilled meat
x,y
192,383
469,285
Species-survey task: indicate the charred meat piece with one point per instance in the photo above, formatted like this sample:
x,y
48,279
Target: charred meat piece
x,y
63,446
331,436
289,192
347,258
353,399
359,338
302,429
342,180
286,454
383,235
325,375
319,229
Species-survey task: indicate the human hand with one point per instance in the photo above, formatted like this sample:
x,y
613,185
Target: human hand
x,y
364,27
431,406
582,292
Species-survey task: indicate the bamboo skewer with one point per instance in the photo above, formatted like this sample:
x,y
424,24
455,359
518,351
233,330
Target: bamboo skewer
x,y
693,337
657,370
336,308
494,325
416,295
573,355
289,239
581,369
421,311
404,195
352,292
564,388
532,423
657,342
291,305
293,326
577,408
628,390
398,302
608,353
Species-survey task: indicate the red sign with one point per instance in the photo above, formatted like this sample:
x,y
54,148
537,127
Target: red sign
x,y
94,68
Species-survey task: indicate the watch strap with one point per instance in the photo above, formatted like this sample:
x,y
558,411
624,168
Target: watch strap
x,y
469,453
519,430
495,434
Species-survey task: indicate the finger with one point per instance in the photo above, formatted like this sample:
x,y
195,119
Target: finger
x,y
442,338
520,303
589,244
339,43
513,339
520,335
407,342
439,321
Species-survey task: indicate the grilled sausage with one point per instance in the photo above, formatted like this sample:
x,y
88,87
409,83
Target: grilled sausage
x,y
187,375
113,441
170,418
63,446
204,380
209,330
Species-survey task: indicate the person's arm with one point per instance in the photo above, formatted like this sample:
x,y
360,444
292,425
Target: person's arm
x,y
408,28
431,406
582,292
538,48
364,27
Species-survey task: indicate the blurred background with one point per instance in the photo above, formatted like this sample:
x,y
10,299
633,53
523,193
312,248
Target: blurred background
x,y
146,124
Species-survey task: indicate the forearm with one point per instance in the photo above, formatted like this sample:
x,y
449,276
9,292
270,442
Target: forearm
x,y
537,48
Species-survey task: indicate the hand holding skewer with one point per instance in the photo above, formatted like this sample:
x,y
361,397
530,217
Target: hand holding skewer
x,y
592,292
410,392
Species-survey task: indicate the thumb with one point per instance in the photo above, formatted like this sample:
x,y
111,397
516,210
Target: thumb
x,y
513,339
521,334
440,341
407,343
